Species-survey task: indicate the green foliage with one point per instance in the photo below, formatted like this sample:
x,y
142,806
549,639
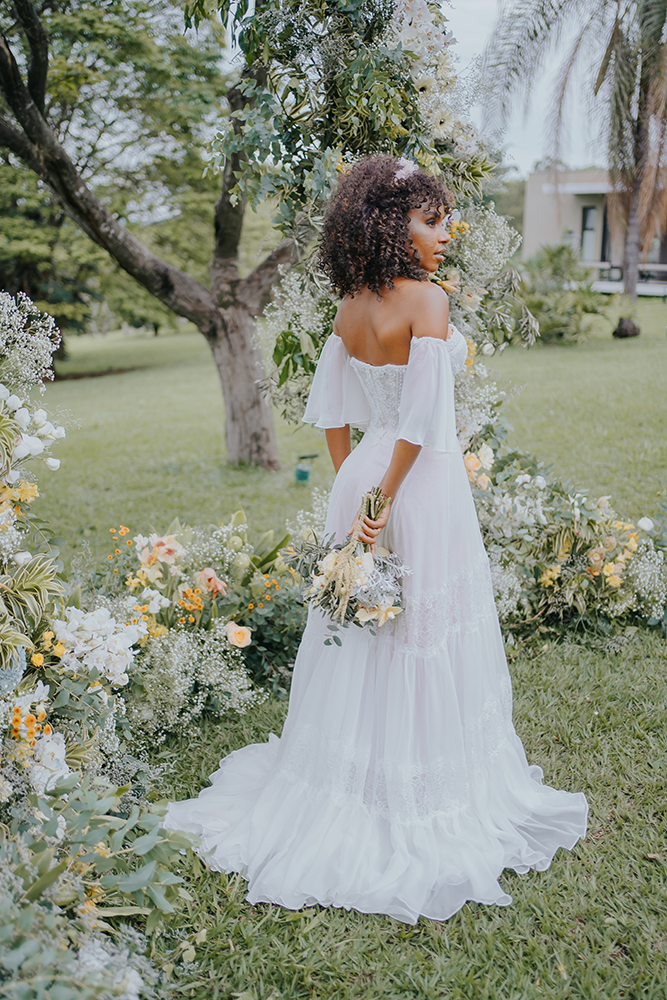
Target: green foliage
x,y
28,590
101,855
273,609
557,289
42,253
133,99
321,84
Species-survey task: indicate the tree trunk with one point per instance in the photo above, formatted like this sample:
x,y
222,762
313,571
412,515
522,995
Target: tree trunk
x,y
224,313
250,434
632,249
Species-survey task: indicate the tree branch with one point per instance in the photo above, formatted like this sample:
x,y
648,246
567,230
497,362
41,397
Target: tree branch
x,y
41,151
39,51
16,142
255,290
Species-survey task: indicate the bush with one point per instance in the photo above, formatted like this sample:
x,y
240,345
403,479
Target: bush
x,y
557,289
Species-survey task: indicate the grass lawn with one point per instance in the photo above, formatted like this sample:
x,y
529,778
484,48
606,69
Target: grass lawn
x,y
594,926
597,411
149,446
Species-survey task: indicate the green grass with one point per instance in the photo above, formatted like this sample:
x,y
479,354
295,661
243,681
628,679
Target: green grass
x,y
147,446
597,411
594,926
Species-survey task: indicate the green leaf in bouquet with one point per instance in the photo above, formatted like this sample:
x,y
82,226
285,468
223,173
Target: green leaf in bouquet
x,y
43,883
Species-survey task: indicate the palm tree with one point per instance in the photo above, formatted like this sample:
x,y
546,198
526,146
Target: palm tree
x,y
620,45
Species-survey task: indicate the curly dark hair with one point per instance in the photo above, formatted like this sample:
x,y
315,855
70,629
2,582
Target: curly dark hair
x,y
365,228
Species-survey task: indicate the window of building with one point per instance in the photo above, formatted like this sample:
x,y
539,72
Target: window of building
x,y
606,238
588,225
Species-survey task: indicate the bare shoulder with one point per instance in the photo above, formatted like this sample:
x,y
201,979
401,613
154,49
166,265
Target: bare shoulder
x,y
430,310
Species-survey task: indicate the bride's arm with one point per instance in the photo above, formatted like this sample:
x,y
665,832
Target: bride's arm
x,y
338,440
402,460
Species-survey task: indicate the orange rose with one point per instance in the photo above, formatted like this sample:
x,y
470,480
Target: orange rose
x,y
238,635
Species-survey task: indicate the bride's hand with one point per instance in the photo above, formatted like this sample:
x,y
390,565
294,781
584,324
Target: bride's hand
x,y
370,529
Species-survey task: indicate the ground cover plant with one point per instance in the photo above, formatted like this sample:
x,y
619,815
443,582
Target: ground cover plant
x,y
596,411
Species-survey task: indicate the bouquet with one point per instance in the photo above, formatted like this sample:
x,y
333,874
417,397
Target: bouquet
x,y
349,582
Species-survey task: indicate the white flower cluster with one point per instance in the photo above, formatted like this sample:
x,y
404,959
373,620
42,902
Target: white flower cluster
x,y
101,960
225,548
647,571
95,640
507,584
37,432
28,339
482,251
414,27
297,305
183,672
311,523
477,401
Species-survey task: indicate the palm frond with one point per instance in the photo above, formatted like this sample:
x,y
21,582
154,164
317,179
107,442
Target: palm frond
x,y
520,40
9,431
26,594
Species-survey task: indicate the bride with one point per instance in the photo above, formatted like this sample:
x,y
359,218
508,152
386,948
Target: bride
x,y
399,785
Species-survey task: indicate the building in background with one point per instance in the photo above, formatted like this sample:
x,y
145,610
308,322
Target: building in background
x,y
570,206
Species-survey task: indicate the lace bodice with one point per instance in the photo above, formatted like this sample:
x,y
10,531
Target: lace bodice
x,y
383,384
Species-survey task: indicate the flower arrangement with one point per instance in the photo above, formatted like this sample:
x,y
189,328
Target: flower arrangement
x,y
562,555
348,581
69,858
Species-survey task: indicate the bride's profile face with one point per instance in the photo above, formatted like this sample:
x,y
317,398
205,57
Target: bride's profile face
x,y
428,235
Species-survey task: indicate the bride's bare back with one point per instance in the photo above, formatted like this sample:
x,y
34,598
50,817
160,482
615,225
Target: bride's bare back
x,y
377,329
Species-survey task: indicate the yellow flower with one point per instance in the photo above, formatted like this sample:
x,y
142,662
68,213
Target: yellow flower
x,y
27,492
549,575
614,580
37,660
47,639
483,481
632,544
609,569
238,635
58,649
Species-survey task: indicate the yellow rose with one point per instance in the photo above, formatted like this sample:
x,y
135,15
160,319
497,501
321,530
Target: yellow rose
x,y
58,649
613,580
238,635
483,481
37,660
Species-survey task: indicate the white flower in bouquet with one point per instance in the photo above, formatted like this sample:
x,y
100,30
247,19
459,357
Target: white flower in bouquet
x,y
22,417
6,789
28,338
49,764
485,455
645,523
94,640
52,463
156,601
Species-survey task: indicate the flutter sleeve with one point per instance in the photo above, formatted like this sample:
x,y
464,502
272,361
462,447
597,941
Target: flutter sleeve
x,y
336,396
426,413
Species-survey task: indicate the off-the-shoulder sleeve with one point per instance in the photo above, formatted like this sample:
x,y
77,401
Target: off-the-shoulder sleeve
x,y
336,396
426,414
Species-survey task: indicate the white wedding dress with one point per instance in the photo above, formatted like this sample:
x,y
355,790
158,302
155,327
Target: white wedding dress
x,y
399,785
